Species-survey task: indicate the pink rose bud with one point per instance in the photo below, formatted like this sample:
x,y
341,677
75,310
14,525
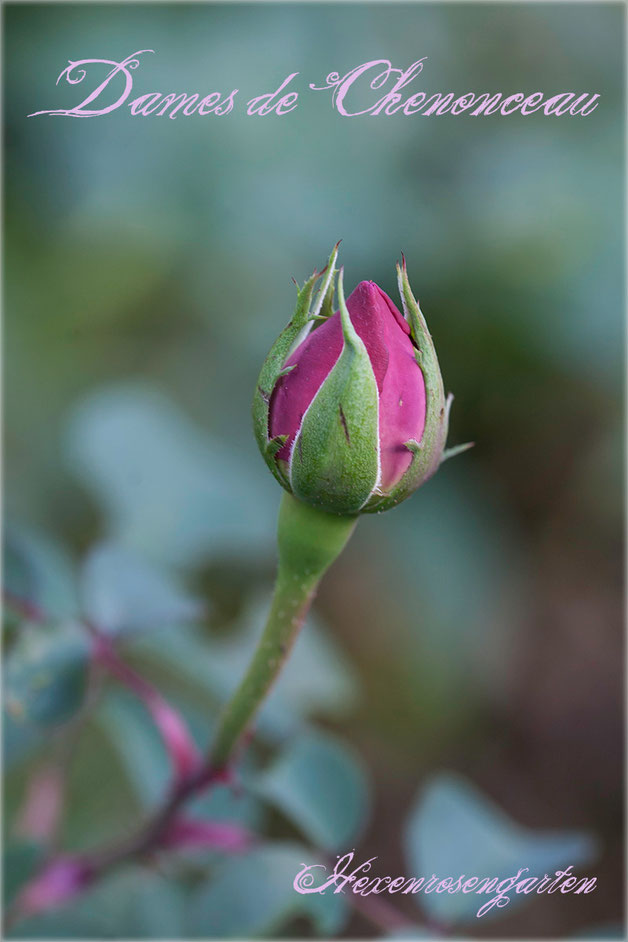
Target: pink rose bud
x,y
184,755
400,383
350,411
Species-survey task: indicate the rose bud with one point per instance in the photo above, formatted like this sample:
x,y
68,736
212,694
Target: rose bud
x,y
350,411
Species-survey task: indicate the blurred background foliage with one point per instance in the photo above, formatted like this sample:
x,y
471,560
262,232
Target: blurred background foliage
x,y
475,631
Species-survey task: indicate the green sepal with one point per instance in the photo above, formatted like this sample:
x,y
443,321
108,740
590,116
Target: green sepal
x,y
327,305
323,305
412,446
335,456
274,362
427,457
455,450
273,367
273,445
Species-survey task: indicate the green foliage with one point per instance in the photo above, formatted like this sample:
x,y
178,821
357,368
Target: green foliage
x,y
46,674
134,903
321,787
140,749
18,738
253,896
313,780
237,805
20,861
38,571
122,593
453,829
167,489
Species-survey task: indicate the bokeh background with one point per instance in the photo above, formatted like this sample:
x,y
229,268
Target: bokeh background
x,y
468,643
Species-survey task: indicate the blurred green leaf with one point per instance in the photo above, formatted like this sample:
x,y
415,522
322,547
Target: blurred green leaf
x,y
228,803
321,786
167,489
18,738
131,731
121,592
254,895
454,562
100,803
46,673
131,904
36,570
18,577
453,829
19,862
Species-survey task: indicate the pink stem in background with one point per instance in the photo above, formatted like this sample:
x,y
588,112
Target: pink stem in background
x,y
184,755
60,881
66,876
41,812
28,610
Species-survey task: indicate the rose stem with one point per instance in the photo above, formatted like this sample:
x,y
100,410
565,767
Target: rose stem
x,y
309,541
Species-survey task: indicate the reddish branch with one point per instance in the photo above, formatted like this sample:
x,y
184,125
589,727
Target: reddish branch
x,y
66,876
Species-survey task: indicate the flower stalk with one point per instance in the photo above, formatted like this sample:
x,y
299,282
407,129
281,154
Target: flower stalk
x,y
308,540
351,417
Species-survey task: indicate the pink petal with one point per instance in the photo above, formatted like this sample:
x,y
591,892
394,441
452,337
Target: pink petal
x,y
400,382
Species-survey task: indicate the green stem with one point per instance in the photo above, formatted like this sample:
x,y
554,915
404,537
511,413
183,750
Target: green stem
x,y
309,541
